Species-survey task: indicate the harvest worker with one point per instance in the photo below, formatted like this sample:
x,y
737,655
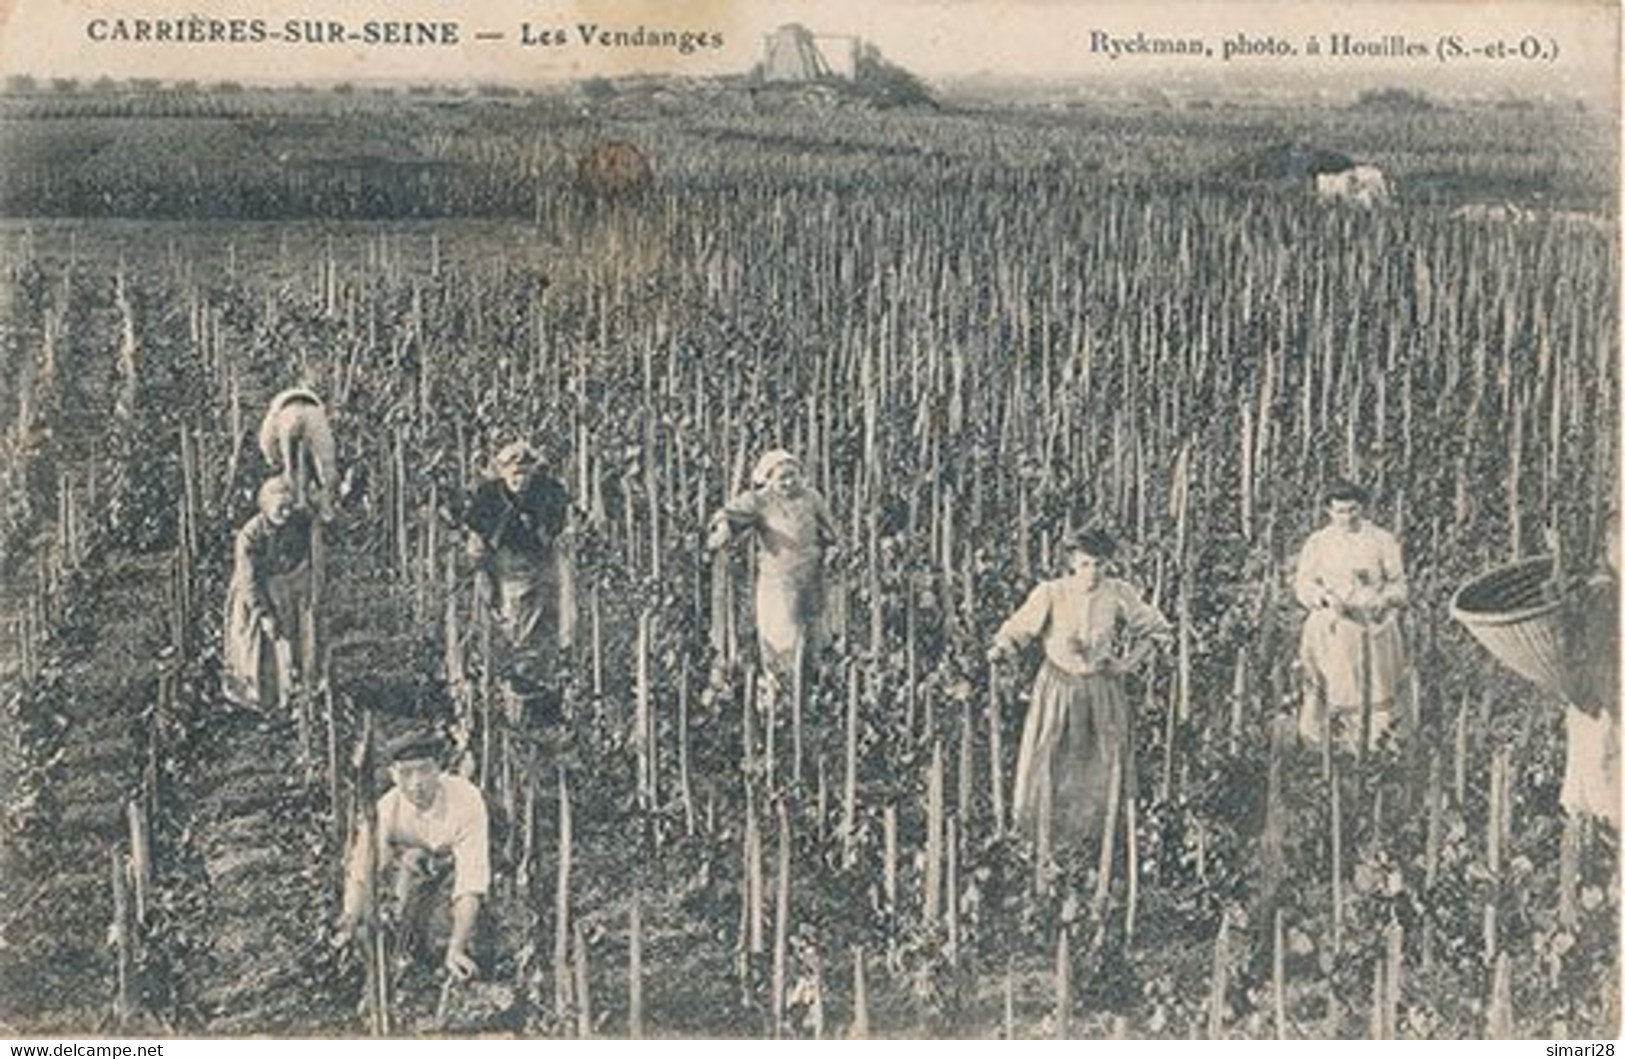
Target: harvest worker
x,y
432,832
1094,629
514,521
1591,771
1351,579
268,601
793,529
296,438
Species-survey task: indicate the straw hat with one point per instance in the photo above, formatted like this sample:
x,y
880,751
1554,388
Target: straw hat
x,y
415,744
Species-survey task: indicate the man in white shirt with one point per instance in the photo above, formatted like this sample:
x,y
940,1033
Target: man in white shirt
x,y
1351,579
429,822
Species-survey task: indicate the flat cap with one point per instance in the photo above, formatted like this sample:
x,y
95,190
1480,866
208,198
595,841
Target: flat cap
x,y
415,744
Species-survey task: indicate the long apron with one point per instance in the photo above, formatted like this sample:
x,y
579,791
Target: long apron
x,y
1344,660
251,672
1076,726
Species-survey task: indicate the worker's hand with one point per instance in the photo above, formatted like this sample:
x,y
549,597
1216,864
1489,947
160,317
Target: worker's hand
x,y
477,549
718,535
268,626
460,966
345,932
999,652
1111,667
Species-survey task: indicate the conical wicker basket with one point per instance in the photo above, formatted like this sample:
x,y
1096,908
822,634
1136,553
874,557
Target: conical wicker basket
x,y
1511,611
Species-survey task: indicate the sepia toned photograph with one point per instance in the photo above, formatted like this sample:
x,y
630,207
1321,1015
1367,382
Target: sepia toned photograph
x,y
905,519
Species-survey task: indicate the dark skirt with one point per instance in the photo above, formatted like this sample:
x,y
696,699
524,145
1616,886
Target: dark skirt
x,y
1076,727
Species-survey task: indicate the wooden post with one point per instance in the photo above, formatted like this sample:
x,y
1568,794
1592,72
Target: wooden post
x,y
684,784
561,902
635,970
1379,1030
1337,862
642,725
962,773
120,936
995,753
1568,872
754,888
888,822
1278,977
933,836
781,923
798,689
140,858
1435,809
849,785
951,909
860,997
1501,1026
1009,998
1393,977
583,994
1218,978
1063,984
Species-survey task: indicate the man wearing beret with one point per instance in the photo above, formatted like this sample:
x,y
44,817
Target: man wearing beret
x,y
431,825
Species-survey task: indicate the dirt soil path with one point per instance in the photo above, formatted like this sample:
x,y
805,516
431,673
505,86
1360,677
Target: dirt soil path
x,y
72,770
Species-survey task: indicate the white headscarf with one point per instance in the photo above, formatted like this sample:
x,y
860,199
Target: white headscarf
x,y
770,462
515,454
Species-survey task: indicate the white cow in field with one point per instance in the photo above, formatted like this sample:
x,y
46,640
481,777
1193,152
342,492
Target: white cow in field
x,y
1361,185
1492,213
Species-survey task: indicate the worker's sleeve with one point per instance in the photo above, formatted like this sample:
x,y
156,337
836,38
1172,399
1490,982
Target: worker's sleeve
x,y
828,533
1028,621
1307,583
743,511
484,511
248,566
1394,589
470,847
1143,620
551,507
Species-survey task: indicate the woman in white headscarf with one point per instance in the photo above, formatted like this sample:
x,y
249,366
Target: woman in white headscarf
x,y
792,527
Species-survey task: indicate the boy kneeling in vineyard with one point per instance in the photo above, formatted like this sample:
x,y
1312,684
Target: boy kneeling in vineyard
x,y
432,829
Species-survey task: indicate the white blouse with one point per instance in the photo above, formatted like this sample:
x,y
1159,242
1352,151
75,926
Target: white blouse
x,y
1081,628
1362,569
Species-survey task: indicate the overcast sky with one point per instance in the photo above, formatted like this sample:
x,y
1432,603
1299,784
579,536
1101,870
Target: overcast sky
x,y
935,38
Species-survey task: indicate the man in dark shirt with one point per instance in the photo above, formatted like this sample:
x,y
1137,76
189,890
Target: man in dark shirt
x,y
514,521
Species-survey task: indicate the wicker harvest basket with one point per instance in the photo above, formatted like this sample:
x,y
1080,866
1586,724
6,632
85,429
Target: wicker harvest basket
x,y
1512,611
